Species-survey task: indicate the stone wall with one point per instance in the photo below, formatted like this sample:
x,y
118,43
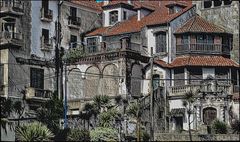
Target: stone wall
x,y
225,16
185,137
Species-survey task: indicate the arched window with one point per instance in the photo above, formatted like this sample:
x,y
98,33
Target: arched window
x,y
113,17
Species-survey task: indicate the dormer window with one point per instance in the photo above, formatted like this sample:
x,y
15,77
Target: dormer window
x,y
113,17
171,10
124,15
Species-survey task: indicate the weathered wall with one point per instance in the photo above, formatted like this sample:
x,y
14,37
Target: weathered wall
x,y
225,16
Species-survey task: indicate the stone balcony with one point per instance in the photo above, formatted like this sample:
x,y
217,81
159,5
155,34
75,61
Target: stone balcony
x,y
74,22
10,39
46,45
202,48
38,94
13,8
181,90
46,15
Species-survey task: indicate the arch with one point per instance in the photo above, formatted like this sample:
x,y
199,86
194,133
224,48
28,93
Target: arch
x,y
75,84
136,84
209,115
91,82
109,81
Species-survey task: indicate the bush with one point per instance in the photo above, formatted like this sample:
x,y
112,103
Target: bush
x,y
145,136
219,127
104,134
236,126
78,135
33,132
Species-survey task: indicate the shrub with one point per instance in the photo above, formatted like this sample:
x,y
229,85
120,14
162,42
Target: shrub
x,y
33,132
78,135
236,126
104,134
219,127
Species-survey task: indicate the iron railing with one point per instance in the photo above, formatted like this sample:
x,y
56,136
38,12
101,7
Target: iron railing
x,y
76,21
46,13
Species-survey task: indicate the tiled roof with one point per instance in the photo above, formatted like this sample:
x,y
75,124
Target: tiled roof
x,y
92,4
162,63
212,61
198,24
159,16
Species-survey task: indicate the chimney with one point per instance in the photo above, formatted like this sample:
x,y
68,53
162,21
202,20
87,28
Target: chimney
x,y
105,2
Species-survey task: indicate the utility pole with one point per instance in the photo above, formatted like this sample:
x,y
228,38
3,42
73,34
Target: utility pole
x,y
151,98
65,95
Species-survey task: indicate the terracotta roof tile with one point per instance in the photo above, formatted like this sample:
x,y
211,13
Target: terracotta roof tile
x,y
162,63
198,24
159,16
203,61
92,4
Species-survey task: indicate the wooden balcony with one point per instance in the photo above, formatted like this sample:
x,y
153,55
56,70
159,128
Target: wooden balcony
x,y
46,15
202,48
10,39
74,22
46,45
13,8
181,90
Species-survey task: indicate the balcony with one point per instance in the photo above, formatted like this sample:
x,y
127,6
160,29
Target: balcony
x,y
13,8
202,48
46,15
74,22
109,51
38,94
46,44
181,90
10,39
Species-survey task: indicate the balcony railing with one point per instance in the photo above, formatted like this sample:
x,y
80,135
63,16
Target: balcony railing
x,y
11,38
181,90
46,14
74,22
15,7
33,93
46,44
202,48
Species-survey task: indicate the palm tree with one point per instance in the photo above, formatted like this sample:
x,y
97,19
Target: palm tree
x,y
19,109
33,132
89,111
107,117
187,103
6,109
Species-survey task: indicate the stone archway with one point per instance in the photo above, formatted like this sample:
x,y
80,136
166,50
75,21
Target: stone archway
x,y
209,115
91,82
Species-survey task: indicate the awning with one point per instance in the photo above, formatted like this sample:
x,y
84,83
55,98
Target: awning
x,y
176,112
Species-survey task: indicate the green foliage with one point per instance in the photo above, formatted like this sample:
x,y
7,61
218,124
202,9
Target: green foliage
x,y
219,127
33,132
145,136
101,101
75,53
50,112
78,135
107,118
236,126
6,107
104,134
133,110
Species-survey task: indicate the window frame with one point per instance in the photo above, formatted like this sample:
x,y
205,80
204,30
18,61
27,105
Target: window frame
x,y
37,78
161,47
73,41
113,17
92,44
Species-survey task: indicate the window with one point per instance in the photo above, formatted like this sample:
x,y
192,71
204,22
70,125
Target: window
x,y
185,39
1,77
124,15
171,10
156,80
45,5
217,3
227,2
207,4
92,45
45,35
205,39
113,17
37,78
73,12
161,42
73,41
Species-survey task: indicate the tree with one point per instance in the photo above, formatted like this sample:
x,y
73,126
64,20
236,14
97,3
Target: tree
x,y
107,118
50,112
33,132
6,110
19,109
187,103
89,111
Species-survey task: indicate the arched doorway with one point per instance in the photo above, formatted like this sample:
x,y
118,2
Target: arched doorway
x,y
209,114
